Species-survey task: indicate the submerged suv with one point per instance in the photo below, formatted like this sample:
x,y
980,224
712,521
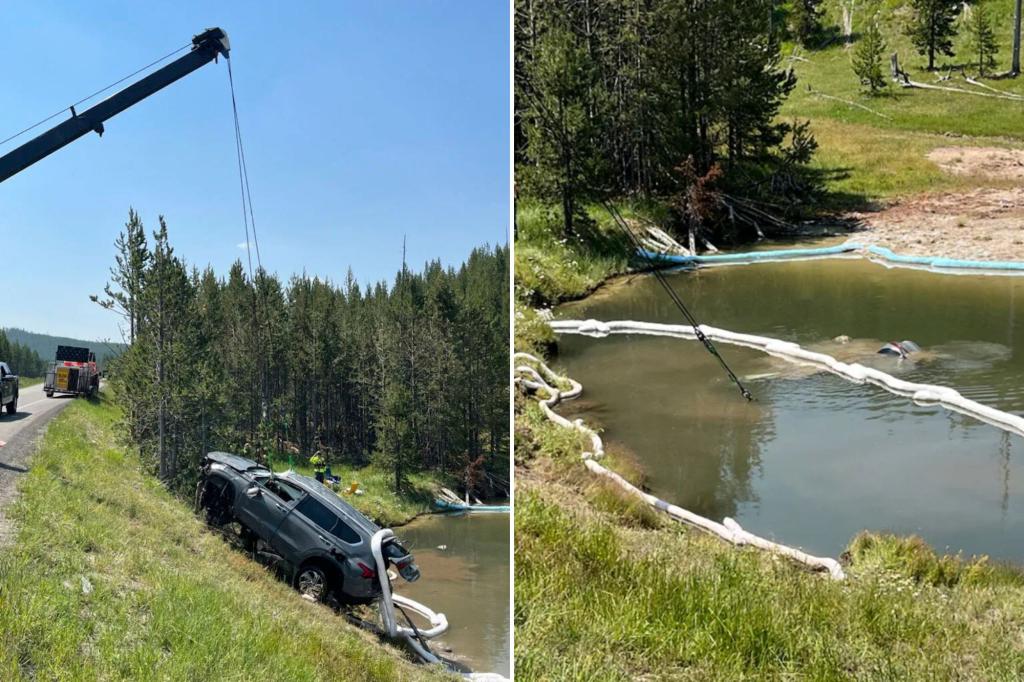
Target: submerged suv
x,y
324,542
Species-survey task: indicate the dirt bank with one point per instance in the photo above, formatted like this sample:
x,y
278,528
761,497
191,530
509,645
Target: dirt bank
x,y
983,224
989,162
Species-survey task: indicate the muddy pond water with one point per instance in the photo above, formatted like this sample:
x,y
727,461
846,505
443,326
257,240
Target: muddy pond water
x,y
815,458
464,564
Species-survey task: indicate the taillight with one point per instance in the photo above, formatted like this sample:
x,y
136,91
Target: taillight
x,y
367,571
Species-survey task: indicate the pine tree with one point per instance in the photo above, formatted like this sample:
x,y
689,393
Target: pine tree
x,y
612,95
868,59
982,38
933,27
5,348
130,263
558,128
1015,56
806,20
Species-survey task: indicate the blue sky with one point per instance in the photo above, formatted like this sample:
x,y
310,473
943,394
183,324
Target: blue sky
x,y
363,122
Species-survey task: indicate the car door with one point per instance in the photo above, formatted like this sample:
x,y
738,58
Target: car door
x,y
306,530
267,509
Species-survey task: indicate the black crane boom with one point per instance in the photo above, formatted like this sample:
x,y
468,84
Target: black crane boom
x,y
205,48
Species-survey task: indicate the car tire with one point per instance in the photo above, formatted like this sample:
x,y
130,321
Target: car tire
x,y
313,582
12,407
49,394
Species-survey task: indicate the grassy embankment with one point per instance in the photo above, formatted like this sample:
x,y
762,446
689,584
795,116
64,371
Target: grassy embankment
x,y
25,382
605,588
111,577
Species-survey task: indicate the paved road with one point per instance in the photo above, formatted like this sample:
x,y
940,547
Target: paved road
x,y
19,434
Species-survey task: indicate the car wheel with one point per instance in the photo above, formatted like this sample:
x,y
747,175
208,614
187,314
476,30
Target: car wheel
x,y
12,407
312,583
49,394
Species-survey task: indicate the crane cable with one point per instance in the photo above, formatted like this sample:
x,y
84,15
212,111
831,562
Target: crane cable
x,y
98,92
654,268
249,219
659,275
243,179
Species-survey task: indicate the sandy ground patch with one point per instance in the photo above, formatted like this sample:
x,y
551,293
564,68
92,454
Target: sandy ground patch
x,y
991,162
981,224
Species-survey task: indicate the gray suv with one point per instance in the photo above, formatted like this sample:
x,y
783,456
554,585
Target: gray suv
x,y
324,542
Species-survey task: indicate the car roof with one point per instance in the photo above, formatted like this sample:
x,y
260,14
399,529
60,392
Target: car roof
x,y
329,498
236,462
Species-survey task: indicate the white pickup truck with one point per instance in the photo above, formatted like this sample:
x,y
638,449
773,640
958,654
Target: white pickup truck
x,y
8,388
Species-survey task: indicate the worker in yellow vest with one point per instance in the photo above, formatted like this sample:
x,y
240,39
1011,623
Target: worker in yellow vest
x,y
318,467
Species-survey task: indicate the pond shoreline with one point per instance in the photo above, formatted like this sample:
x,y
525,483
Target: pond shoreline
x,y
933,596
614,280
982,224
431,511
879,228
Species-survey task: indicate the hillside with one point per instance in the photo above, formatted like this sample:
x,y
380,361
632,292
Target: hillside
x,y
111,577
46,345
924,169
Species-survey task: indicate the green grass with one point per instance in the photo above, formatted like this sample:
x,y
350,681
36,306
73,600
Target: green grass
x,y
25,382
600,594
379,500
866,164
829,71
884,152
551,267
111,577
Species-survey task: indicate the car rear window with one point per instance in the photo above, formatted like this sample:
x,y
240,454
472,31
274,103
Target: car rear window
x,y
328,520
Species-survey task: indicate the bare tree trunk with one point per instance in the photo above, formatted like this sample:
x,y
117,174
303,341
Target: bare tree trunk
x,y
1015,68
161,311
847,25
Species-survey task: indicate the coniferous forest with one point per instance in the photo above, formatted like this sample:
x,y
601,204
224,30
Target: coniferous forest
x,y
22,359
660,100
409,375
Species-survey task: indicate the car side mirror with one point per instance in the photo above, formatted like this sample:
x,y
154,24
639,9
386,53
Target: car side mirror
x,y
253,491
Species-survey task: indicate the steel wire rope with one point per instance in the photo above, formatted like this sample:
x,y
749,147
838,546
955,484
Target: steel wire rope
x,y
655,269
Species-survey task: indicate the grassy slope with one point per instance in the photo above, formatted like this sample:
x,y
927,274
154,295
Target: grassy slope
x,y
605,589
883,158
168,600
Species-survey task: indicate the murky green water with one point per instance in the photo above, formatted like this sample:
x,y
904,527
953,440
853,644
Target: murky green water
x,y
468,581
816,459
